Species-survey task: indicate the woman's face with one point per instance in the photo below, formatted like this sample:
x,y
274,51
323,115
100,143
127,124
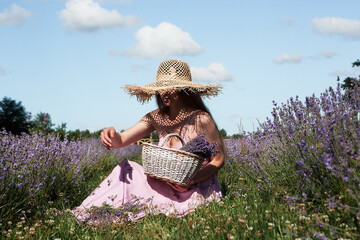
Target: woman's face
x,y
169,97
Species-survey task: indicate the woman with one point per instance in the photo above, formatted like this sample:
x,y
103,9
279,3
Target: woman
x,y
182,111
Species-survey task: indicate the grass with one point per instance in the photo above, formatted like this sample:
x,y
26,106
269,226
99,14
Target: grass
x,y
242,214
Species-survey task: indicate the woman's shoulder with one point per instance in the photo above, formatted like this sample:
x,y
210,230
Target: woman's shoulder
x,y
153,114
151,117
201,115
201,120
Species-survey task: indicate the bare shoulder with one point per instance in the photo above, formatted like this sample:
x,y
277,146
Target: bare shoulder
x,y
155,112
151,117
203,121
202,117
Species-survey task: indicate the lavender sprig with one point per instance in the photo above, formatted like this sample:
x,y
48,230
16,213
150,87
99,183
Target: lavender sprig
x,y
201,146
107,214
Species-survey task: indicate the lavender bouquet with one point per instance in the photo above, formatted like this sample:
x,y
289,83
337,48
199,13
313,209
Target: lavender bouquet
x,y
201,146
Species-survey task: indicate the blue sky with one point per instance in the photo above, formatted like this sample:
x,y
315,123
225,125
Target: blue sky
x,y
70,58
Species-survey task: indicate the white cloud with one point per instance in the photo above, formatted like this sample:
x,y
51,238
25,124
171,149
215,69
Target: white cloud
x,y
324,54
163,41
15,15
328,53
333,25
287,21
285,58
87,16
214,72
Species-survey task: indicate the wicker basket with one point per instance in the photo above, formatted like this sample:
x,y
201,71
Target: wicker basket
x,y
170,164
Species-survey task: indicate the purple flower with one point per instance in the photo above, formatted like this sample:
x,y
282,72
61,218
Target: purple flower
x,y
201,147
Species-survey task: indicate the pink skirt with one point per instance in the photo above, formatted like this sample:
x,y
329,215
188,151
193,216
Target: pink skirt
x,y
128,184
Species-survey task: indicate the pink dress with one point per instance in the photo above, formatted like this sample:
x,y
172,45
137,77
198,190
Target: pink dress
x,y
127,184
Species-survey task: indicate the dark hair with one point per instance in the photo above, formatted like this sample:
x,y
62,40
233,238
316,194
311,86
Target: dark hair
x,y
190,100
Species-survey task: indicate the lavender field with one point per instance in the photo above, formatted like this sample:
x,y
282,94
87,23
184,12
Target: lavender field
x,y
296,177
40,170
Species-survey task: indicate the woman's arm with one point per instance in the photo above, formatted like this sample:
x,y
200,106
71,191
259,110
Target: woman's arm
x,y
111,139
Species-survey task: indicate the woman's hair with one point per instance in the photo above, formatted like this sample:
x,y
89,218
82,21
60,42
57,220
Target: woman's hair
x,y
190,99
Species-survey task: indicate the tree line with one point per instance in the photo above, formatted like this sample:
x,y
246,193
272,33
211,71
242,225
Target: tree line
x,y
15,119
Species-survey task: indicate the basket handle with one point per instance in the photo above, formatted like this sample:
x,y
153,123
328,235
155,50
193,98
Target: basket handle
x,y
172,135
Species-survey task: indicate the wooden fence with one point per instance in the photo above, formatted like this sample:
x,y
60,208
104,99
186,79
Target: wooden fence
x,y
144,140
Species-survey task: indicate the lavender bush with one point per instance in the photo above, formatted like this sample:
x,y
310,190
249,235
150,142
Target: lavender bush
x,y
40,168
307,149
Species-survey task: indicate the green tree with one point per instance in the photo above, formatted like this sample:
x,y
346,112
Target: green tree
x,y
351,86
13,116
42,122
77,135
237,135
96,134
73,135
356,63
60,131
223,133
349,83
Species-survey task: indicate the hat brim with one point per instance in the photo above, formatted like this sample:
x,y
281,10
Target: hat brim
x,y
146,92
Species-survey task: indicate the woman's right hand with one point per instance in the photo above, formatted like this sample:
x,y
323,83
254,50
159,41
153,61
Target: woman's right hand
x,y
110,138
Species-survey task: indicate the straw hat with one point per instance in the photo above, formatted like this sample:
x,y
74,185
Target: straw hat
x,y
171,75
